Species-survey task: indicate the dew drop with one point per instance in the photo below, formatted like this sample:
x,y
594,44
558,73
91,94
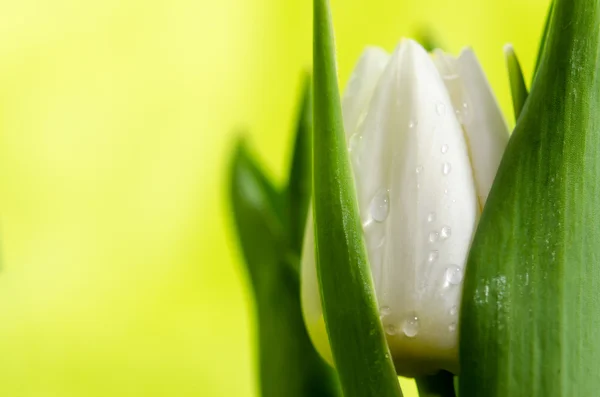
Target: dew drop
x,y
390,329
354,142
385,310
413,123
452,327
445,233
419,169
446,168
433,256
440,108
444,149
431,217
453,311
463,113
433,237
410,327
380,206
454,275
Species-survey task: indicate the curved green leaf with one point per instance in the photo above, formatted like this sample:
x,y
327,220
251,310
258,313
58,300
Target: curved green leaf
x,y
289,364
356,336
543,39
299,186
530,314
518,88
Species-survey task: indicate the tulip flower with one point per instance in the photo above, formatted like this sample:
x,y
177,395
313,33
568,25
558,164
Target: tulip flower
x,y
425,138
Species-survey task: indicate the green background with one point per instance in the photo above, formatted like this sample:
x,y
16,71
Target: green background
x,y
121,275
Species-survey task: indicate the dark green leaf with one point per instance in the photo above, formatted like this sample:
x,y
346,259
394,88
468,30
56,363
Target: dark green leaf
x,y
289,365
530,312
356,336
543,39
300,180
517,82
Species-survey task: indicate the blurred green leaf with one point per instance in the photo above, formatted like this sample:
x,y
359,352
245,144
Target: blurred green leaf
x,y
299,187
360,351
530,312
428,39
289,364
439,385
543,39
518,88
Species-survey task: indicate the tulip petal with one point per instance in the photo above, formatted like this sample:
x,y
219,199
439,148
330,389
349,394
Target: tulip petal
x,y
481,117
418,207
360,87
311,294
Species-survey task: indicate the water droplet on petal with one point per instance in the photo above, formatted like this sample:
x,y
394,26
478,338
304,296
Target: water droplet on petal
x,y
440,108
413,123
454,275
354,142
419,169
453,311
433,237
463,113
431,217
444,149
452,327
390,329
380,206
445,233
385,310
433,256
446,168
410,327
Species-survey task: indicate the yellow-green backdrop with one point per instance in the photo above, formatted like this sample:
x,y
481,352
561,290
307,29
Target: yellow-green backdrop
x,y
120,274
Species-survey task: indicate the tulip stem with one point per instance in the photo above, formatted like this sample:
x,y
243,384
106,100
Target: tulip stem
x,y
438,385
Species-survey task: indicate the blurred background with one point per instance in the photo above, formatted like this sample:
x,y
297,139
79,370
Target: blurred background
x,y
121,275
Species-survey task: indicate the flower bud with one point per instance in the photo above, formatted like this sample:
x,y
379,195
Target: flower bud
x,y
425,138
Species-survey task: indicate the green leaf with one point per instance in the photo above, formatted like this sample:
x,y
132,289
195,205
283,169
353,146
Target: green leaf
x,y
289,364
358,343
299,187
427,38
543,39
258,210
530,312
439,385
517,82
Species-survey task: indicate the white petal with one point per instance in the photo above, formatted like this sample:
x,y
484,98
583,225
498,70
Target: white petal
x,y
474,101
413,154
414,181
360,87
311,294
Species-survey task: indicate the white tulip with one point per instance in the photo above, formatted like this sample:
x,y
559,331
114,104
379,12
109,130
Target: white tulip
x,y
425,138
